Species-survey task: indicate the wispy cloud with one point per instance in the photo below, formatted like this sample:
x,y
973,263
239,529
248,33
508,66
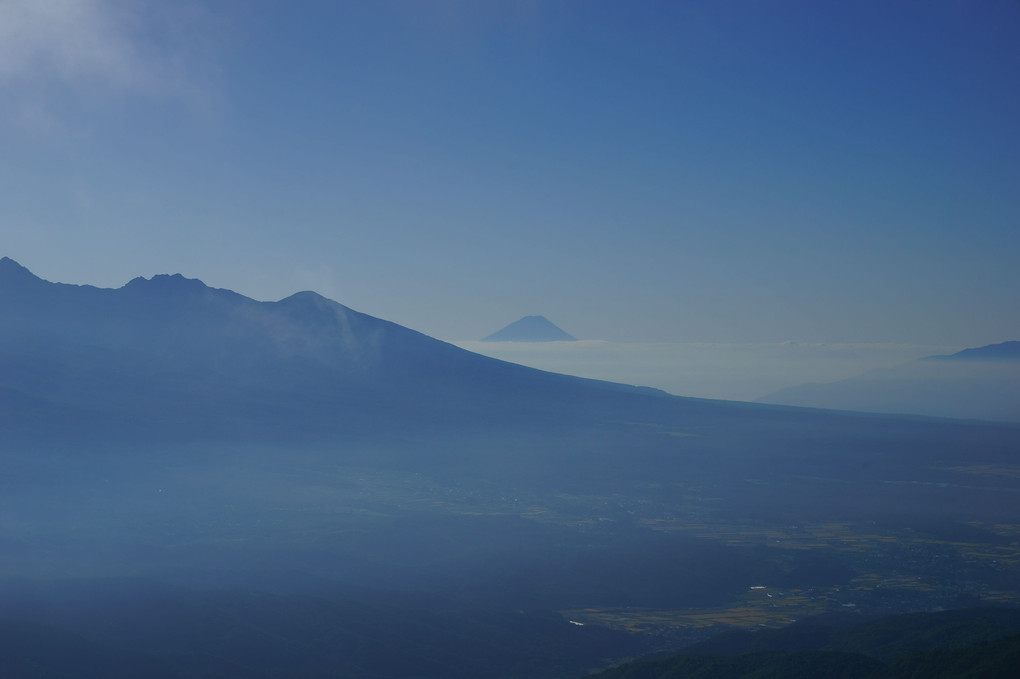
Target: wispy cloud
x,y
67,39
101,48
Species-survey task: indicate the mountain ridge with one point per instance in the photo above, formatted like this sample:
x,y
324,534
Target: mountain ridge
x,y
170,340
1002,351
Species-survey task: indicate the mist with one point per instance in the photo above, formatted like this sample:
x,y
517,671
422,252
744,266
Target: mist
x,y
197,484
234,445
738,372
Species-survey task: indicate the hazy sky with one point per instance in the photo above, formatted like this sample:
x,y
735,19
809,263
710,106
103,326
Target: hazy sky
x,y
696,171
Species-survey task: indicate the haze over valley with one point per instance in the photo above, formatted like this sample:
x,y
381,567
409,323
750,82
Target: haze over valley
x,y
980,382
166,441
730,371
444,339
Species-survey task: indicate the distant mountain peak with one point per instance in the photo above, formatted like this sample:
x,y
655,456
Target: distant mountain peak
x,y
530,329
311,307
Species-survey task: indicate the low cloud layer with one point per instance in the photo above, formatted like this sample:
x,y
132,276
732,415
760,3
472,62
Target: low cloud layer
x,y
741,372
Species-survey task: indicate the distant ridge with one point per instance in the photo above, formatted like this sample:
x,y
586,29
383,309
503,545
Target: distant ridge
x,y
981,383
1004,351
530,329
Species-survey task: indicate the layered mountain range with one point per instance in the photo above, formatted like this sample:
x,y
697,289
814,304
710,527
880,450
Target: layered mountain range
x,y
172,352
169,432
170,359
981,383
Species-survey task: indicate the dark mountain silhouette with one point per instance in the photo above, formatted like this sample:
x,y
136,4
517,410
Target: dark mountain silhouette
x,y
981,383
980,642
884,639
530,329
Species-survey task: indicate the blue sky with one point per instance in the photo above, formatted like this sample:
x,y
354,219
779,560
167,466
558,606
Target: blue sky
x,y
648,172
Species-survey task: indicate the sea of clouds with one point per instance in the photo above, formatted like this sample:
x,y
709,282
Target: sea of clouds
x,y
739,372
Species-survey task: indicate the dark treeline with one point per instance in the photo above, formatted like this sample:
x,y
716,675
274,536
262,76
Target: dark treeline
x,y
973,643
